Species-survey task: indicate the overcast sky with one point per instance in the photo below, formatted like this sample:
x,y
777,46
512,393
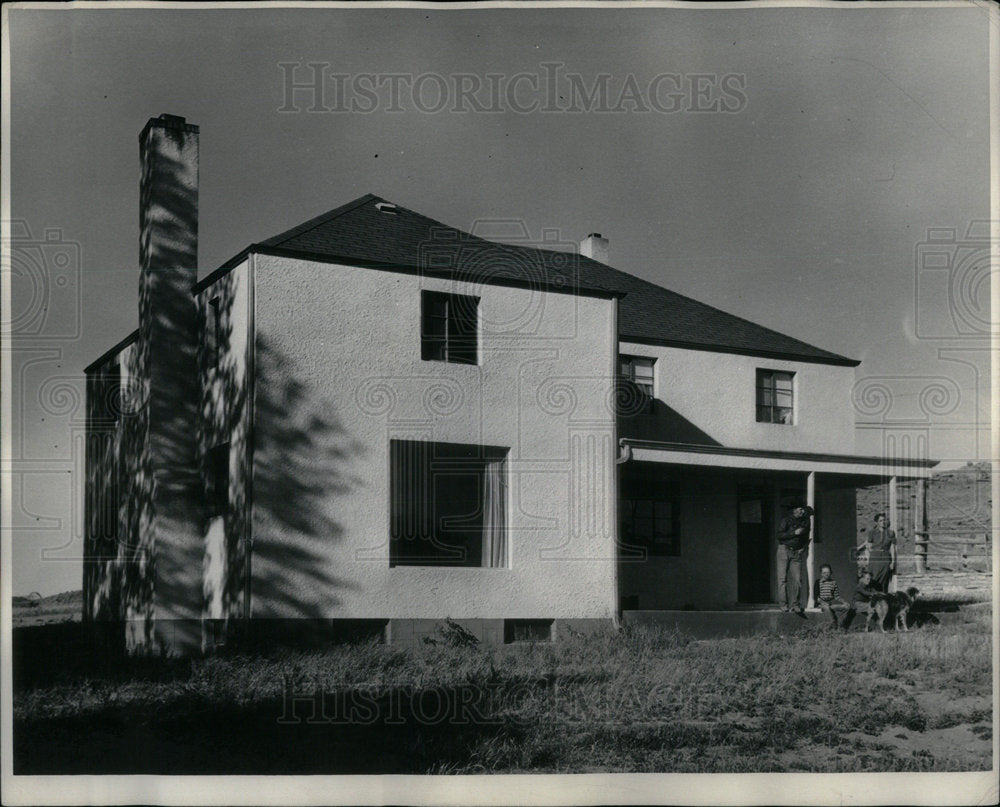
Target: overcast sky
x,y
801,203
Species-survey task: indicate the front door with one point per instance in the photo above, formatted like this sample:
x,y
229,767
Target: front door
x,y
753,547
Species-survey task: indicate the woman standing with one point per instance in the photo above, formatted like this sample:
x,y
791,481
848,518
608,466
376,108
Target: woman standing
x,y
881,548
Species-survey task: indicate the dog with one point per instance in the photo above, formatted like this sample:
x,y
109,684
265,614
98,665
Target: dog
x,y
896,604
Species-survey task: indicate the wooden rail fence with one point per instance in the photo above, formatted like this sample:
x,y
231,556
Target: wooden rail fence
x,y
956,552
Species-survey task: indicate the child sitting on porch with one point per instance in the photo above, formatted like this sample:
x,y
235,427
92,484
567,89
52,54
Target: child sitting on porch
x,y
826,595
863,600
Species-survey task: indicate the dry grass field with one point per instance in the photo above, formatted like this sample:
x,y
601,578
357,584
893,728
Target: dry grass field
x,y
645,699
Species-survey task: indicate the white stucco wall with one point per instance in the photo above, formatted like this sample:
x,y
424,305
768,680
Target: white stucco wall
x,y
338,374
717,393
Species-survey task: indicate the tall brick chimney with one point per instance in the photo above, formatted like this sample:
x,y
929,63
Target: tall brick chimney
x,y
168,207
169,555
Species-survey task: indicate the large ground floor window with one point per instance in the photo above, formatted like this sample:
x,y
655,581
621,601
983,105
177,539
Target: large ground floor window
x,y
650,517
448,504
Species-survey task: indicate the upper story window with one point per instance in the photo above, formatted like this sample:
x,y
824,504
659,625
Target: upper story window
x,y
775,401
449,327
638,370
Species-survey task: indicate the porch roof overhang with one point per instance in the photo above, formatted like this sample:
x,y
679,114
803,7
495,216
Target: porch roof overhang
x,y
770,460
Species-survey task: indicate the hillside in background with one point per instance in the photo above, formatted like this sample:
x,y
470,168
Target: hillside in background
x,y
958,501
959,511
34,610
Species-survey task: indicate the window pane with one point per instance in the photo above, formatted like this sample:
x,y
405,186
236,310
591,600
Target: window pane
x,y
663,510
636,368
447,504
661,537
527,630
435,305
644,508
644,371
463,322
433,349
449,327
643,528
462,351
433,326
775,396
460,323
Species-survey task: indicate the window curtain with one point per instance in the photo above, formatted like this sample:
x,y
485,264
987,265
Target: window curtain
x,y
494,513
410,489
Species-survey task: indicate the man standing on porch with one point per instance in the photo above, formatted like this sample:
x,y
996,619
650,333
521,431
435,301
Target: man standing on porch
x,y
793,543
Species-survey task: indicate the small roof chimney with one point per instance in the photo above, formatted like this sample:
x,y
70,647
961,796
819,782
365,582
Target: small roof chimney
x,y
595,246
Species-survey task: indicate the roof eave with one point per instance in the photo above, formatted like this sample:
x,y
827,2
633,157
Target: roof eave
x,y
112,351
904,462
833,359
344,260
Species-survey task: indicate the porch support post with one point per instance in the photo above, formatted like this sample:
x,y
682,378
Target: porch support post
x,y
810,561
920,526
894,518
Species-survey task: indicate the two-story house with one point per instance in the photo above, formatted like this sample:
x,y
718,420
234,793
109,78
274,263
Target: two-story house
x,y
374,421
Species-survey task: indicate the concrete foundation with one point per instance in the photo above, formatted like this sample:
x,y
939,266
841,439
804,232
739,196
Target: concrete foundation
x,y
718,624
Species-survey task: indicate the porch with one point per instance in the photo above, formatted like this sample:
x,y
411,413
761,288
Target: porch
x,y
699,523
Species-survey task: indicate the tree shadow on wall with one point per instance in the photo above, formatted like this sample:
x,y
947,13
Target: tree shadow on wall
x,y
302,464
289,457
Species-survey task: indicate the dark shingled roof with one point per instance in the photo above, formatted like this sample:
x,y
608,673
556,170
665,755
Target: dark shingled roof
x,y
360,232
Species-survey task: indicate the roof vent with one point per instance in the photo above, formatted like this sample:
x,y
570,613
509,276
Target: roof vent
x,y
386,207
